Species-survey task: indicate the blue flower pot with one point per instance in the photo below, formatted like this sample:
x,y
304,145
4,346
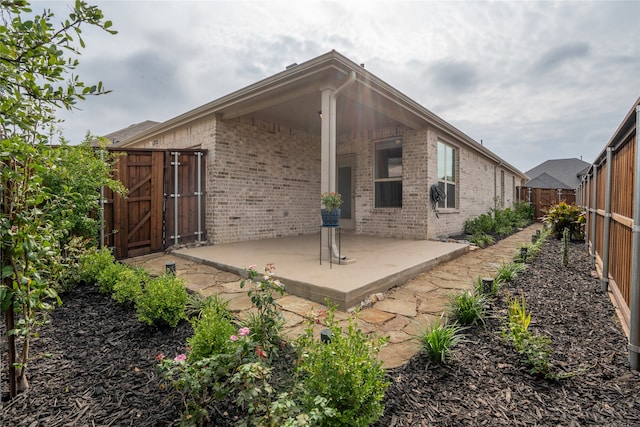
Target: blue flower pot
x,y
330,217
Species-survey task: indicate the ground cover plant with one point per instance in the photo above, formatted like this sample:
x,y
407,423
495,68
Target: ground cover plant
x,y
94,364
485,229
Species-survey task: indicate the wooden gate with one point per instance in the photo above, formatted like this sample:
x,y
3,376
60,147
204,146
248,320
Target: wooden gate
x,y
164,204
543,198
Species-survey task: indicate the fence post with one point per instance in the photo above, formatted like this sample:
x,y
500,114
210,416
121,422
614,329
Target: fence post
x,y
594,214
587,234
175,195
607,222
102,206
199,193
634,304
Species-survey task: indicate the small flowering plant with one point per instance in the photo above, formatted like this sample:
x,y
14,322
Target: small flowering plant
x,y
267,320
331,200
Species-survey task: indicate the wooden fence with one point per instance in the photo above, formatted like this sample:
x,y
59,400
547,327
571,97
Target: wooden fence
x,y
164,204
608,193
543,198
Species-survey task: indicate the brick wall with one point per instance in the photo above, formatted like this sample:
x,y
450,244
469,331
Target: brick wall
x,y
263,180
479,182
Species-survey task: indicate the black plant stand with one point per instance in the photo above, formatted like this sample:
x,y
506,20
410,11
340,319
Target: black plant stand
x,y
330,236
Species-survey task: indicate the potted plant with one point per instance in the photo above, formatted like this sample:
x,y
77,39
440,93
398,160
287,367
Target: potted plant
x,y
331,212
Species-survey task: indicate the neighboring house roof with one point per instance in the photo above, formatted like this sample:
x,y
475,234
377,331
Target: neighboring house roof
x,y
130,131
544,180
293,98
567,172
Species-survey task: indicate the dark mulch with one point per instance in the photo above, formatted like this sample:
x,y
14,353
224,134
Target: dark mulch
x,y
94,365
488,384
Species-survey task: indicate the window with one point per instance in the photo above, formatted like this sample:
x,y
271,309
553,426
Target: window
x,y
388,174
447,174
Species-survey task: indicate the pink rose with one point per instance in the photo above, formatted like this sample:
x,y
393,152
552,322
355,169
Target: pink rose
x,y
243,332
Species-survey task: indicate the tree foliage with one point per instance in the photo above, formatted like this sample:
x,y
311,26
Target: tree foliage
x,y
47,192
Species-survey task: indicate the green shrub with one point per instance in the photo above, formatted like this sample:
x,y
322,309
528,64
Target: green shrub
x,y
109,276
196,304
198,383
506,272
482,240
93,262
500,222
212,331
524,211
483,224
563,216
345,372
467,308
129,285
438,340
163,300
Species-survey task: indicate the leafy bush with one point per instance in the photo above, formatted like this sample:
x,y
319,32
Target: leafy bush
x,y
164,300
345,372
467,308
199,383
211,332
93,262
563,216
196,304
482,240
525,211
438,340
108,277
129,285
483,224
498,222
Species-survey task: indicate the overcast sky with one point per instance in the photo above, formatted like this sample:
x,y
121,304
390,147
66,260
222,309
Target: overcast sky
x,y
533,80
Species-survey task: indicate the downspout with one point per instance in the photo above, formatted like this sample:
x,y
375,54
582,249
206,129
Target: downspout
x,y
495,184
634,306
607,222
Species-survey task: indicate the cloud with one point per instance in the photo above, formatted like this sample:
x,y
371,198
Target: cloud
x,y
557,56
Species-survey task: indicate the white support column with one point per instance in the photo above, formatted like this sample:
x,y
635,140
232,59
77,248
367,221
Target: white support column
x,y
327,139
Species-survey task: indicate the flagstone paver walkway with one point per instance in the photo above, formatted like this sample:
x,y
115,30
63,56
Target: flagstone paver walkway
x,y
402,312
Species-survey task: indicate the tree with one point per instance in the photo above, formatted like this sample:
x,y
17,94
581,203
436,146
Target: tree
x,y
37,59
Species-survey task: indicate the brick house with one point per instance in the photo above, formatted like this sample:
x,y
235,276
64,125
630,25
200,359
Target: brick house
x,y
330,125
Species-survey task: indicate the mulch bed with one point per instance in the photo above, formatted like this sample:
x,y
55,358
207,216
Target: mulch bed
x,y
94,364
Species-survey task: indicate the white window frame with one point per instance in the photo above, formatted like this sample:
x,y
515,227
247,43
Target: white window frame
x,y
386,144
444,180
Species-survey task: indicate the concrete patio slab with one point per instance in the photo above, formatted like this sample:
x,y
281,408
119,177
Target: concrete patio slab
x,y
380,263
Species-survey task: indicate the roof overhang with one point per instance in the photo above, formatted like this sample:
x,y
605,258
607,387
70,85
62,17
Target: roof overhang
x,y
293,98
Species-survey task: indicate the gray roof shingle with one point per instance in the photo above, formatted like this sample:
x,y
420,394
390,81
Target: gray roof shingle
x,y
567,172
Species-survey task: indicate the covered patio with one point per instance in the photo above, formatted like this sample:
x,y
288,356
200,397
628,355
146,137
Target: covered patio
x,y
372,264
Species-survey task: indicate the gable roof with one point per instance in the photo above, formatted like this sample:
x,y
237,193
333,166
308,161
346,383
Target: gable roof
x,y
130,131
567,172
292,97
544,180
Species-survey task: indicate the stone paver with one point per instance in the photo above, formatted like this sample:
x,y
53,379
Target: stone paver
x,y
403,313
